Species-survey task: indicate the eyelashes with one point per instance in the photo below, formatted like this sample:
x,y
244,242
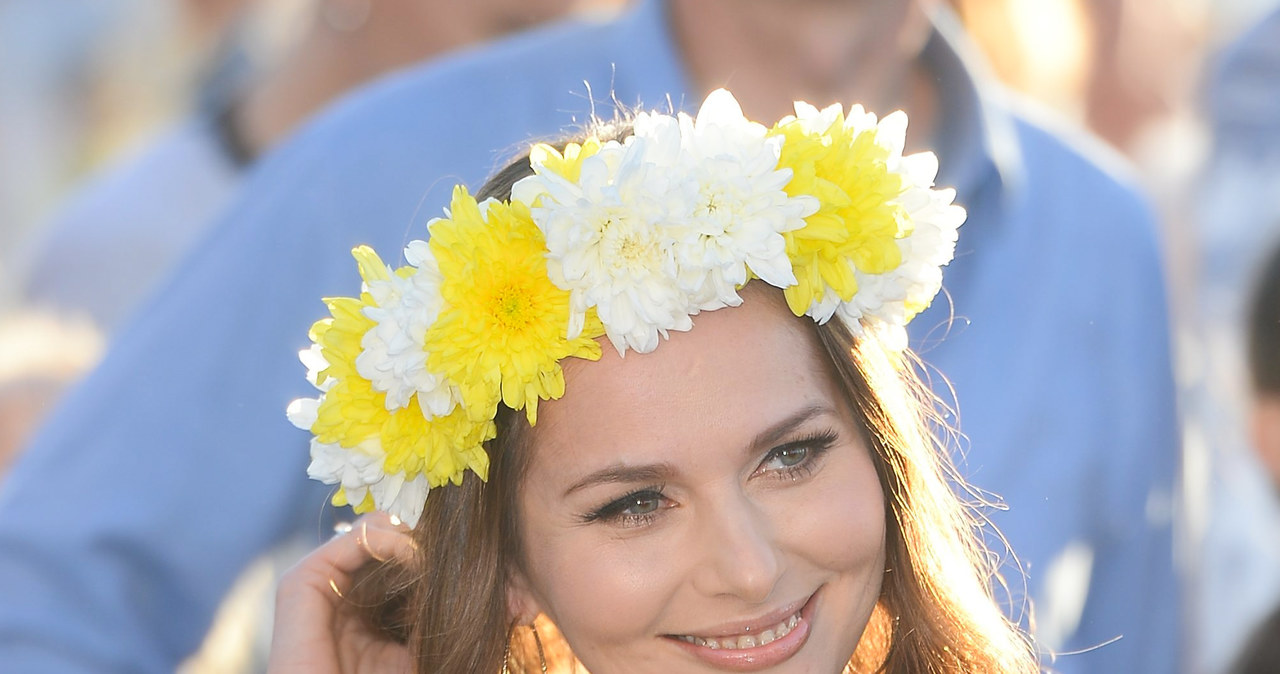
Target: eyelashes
x,y
635,509
799,458
791,462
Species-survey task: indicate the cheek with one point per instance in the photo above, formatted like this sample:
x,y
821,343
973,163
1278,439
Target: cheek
x,y
581,580
840,525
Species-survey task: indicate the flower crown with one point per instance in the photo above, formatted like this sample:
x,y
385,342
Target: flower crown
x,y
624,240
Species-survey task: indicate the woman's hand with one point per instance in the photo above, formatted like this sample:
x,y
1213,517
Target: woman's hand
x,y
316,630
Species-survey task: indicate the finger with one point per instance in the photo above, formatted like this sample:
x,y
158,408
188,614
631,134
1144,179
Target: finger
x,y
376,536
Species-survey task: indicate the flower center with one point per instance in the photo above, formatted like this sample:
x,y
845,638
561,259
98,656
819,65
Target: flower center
x,y
511,306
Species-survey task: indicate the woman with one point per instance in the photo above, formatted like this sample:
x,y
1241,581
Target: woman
x,y
756,494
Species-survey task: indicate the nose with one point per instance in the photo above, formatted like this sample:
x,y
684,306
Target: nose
x,y
741,556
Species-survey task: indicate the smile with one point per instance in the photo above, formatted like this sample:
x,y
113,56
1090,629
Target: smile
x,y
765,637
756,644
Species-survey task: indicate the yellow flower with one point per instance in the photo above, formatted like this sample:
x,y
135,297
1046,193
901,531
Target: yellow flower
x,y
353,413
503,330
339,499
567,165
441,448
859,221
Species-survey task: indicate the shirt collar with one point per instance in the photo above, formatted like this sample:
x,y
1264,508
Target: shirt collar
x,y
976,140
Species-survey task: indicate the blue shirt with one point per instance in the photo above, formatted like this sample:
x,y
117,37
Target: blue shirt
x,y
172,466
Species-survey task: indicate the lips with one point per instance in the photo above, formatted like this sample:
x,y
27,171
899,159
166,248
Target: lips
x,y
765,637
753,645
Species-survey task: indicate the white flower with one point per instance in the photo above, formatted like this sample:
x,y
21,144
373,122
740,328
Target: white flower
x,y
610,243
354,469
302,412
313,359
739,208
393,358
400,497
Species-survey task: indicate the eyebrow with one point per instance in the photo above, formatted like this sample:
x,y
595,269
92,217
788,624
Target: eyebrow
x,y
659,472
655,472
775,433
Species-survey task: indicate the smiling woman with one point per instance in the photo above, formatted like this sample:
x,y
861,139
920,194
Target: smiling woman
x,y
756,493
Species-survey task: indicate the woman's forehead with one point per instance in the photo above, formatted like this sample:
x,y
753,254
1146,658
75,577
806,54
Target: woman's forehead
x,y
739,372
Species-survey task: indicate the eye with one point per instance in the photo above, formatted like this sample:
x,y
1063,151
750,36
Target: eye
x,y
640,504
797,458
787,457
637,508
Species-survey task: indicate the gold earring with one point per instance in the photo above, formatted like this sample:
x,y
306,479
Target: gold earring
x,y
506,650
537,641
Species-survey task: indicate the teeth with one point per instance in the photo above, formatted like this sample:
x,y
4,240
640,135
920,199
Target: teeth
x,y
768,636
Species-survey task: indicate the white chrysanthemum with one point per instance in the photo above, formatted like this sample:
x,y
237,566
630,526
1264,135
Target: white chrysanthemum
x,y
400,497
393,358
302,412
313,359
610,243
354,469
360,472
739,208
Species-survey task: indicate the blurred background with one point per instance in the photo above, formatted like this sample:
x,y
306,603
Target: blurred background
x,y
85,86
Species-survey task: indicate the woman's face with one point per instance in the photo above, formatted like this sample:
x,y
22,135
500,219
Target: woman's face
x,y
709,506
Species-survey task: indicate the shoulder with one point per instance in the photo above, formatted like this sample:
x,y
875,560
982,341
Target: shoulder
x,y
152,204
1054,147
1073,179
184,156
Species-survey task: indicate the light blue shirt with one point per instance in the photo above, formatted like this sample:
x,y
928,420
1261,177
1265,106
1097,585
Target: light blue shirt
x,y
173,465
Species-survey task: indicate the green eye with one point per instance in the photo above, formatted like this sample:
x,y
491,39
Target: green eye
x,y
799,457
631,510
792,456
642,504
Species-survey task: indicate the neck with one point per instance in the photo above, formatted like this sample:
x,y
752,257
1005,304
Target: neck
x,y
772,53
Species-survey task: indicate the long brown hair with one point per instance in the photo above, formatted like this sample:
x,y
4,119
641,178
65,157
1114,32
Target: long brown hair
x,y
936,611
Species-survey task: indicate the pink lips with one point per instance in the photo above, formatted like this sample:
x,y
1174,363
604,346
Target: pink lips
x,y
731,646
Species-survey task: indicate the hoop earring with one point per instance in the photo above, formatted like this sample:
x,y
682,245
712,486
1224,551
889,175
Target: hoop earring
x,y
537,641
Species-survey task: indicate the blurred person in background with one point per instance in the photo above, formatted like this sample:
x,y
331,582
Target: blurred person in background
x,y
79,81
1116,66
103,253
120,234
1191,91
1055,340
1235,210
1261,653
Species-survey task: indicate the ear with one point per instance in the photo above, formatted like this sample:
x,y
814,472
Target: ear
x,y
522,604
1266,433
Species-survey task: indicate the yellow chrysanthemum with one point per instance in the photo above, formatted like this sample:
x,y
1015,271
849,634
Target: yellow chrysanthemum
x,y
352,412
859,221
339,499
567,165
442,448
503,331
